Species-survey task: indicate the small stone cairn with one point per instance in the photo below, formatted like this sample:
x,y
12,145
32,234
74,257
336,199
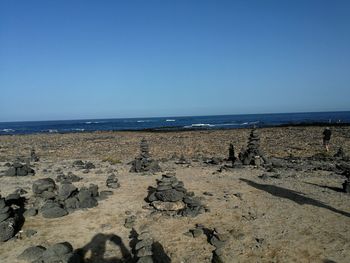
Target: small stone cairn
x,y
231,155
112,181
33,156
8,221
57,202
252,155
144,163
19,169
171,197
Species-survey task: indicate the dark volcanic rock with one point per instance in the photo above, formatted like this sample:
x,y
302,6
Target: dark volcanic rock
x,y
18,169
32,253
42,185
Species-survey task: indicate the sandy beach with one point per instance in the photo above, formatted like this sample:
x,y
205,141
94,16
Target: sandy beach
x,y
295,212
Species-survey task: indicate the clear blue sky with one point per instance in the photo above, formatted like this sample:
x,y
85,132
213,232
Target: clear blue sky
x,y
105,59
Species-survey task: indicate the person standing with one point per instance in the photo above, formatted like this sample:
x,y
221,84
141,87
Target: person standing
x,y
326,138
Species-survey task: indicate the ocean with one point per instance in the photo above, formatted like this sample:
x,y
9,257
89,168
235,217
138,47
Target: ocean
x,y
175,123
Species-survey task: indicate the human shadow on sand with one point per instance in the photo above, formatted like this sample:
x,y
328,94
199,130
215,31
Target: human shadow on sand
x,y
97,246
292,195
336,189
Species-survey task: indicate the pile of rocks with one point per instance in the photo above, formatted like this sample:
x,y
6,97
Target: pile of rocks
x,y
33,156
144,163
19,169
170,196
69,178
60,252
112,182
218,238
8,221
346,186
83,165
143,248
183,161
54,202
252,155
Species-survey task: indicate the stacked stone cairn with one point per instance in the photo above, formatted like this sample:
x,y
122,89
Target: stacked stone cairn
x,y
57,202
60,252
19,169
8,221
252,155
144,163
218,238
143,248
171,197
33,156
231,154
112,181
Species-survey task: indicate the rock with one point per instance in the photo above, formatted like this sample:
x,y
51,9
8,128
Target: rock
x,y
45,184
86,200
145,251
130,221
168,206
30,212
31,254
11,172
71,203
58,250
112,182
93,188
146,259
170,195
7,230
66,190
30,232
54,212
197,232
252,155
89,166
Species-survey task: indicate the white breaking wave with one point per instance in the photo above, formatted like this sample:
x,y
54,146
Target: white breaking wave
x,y
90,122
200,125
143,121
77,129
7,130
170,120
53,131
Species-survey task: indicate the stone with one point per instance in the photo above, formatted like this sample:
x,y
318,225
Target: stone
x,y
197,232
7,230
58,250
170,195
31,254
30,232
30,212
143,163
146,259
86,200
144,243
71,203
54,212
93,188
4,216
66,190
45,184
11,172
2,203
145,251
168,206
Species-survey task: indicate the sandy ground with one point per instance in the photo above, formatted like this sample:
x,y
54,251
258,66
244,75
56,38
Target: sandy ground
x,y
300,217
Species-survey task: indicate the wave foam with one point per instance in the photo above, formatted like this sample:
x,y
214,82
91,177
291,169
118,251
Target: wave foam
x,y
7,130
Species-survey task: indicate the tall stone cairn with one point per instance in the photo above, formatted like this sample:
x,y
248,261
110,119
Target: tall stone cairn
x,y
252,155
144,163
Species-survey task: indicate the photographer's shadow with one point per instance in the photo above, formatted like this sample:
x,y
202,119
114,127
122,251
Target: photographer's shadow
x,y
97,247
